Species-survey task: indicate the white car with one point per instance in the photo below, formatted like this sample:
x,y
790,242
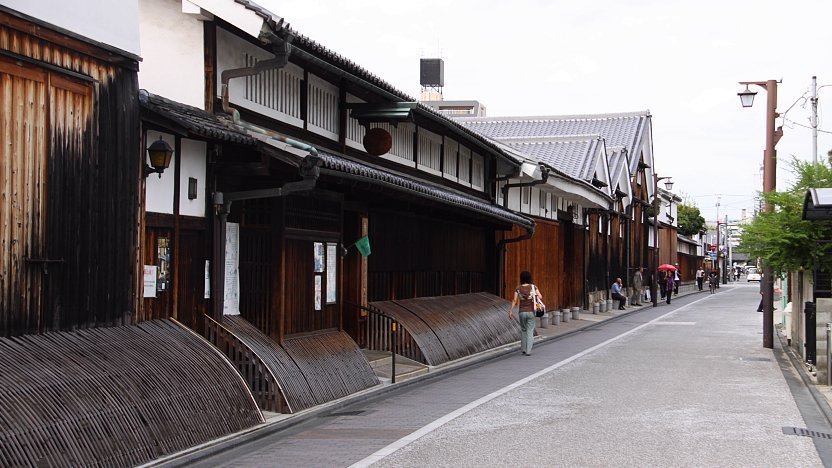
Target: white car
x,y
753,274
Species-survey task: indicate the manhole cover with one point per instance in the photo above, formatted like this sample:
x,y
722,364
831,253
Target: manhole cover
x,y
806,433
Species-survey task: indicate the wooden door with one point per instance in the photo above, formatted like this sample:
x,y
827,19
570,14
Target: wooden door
x,y
158,254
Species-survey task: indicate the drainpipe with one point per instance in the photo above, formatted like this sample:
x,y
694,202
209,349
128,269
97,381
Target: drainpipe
x,y
281,58
501,245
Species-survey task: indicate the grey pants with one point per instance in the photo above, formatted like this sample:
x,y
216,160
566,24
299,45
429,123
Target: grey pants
x,y
526,331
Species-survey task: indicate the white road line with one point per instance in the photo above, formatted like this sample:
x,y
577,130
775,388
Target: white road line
x,y
430,427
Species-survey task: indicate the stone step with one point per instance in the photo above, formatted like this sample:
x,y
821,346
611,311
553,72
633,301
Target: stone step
x,y
405,368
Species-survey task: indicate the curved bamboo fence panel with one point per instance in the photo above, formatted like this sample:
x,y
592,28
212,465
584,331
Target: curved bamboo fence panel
x,y
310,369
447,328
332,363
115,396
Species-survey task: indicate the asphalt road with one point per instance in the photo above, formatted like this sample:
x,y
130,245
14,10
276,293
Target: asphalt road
x,y
687,384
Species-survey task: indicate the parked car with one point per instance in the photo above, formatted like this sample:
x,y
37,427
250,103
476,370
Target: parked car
x,y
753,274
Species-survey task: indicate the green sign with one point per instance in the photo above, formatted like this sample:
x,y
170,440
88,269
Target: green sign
x,y
363,246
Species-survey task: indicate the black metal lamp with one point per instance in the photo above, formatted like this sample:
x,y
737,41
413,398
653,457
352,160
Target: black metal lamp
x,y
160,154
668,185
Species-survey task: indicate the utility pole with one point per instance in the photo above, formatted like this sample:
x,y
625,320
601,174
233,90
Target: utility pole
x,y
725,257
814,120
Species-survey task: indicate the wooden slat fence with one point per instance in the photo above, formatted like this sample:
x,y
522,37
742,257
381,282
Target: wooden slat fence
x,y
116,396
332,363
258,376
450,327
309,369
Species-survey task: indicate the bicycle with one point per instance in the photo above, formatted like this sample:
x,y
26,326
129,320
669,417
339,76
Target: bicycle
x,y
712,286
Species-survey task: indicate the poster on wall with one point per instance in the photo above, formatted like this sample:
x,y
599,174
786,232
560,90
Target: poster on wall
x,y
150,280
319,257
207,279
331,272
232,269
318,287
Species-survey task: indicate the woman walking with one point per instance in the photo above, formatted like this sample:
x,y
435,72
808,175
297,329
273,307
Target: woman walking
x,y
669,285
524,298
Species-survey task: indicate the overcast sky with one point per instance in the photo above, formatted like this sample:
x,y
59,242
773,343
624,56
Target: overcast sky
x,y
681,60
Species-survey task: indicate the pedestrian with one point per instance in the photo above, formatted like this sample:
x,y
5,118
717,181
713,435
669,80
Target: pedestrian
x,y
638,283
760,307
677,279
700,277
669,284
524,299
616,294
662,277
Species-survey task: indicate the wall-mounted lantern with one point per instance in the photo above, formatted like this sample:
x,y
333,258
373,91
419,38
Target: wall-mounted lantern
x,y
160,154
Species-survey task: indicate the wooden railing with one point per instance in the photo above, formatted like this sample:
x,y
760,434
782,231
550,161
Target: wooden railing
x,y
255,373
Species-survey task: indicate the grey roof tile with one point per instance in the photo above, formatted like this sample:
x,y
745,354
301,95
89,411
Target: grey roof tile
x,y
194,120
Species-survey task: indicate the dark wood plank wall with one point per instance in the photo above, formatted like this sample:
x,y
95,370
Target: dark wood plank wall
x,y
554,256
688,264
618,258
414,256
597,262
158,307
89,215
667,246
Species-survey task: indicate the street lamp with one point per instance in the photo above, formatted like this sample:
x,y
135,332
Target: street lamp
x,y
769,183
654,291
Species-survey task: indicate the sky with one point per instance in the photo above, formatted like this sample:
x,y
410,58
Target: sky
x,y
680,60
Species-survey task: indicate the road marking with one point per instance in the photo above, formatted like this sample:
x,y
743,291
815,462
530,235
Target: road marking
x,y
432,426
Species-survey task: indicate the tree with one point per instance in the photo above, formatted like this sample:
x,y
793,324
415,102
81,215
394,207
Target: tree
x,y
690,220
781,237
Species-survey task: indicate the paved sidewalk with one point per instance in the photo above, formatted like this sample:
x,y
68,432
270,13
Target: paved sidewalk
x,y
279,422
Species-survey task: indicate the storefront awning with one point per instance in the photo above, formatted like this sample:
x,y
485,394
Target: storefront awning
x,y
817,205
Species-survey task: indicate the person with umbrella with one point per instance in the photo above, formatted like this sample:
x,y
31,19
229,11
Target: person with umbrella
x,y
668,283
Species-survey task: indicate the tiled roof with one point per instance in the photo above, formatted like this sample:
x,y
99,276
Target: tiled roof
x,y
196,121
574,157
312,47
625,130
375,175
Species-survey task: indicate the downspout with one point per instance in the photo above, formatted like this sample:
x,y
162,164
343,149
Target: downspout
x,y
501,245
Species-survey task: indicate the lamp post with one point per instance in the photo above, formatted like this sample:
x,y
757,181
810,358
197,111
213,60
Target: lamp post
x,y
769,183
654,290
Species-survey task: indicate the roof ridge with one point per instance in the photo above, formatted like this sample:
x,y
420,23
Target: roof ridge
x,y
551,138
612,115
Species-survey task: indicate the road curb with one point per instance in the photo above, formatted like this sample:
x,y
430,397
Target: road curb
x,y
820,400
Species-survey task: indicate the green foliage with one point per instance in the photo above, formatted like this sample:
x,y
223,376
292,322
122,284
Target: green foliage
x,y
782,238
690,220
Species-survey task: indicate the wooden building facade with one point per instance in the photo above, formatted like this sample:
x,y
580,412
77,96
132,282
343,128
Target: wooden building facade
x,y
69,177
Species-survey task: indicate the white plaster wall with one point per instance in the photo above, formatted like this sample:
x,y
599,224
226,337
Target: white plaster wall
x,y
106,21
158,195
173,65
193,165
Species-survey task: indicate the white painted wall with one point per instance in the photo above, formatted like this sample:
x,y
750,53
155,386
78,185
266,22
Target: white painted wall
x,y
106,21
158,195
173,65
193,165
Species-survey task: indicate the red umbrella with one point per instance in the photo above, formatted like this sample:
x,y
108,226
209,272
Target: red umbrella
x,y
667,267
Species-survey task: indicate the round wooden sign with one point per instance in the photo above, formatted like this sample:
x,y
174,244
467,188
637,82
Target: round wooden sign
x,y
377,141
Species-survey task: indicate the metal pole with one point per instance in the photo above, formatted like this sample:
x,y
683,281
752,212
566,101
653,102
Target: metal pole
x,y
393,363
769,185
654,290
725,257
828,354
814,120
